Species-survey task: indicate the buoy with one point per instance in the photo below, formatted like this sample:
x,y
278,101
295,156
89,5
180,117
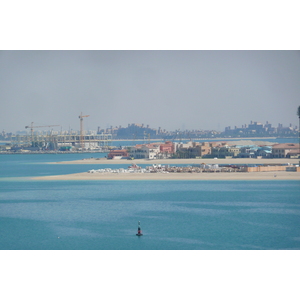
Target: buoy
x,y
139,233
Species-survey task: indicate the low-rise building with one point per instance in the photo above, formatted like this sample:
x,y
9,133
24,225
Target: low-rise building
x,y
5,147
225,151
248,151
144,151
152,150
285,150
117,154
167,147
194,149
264,151
295,153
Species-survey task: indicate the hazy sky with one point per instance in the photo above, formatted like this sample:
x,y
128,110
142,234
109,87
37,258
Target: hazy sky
x,y
170,89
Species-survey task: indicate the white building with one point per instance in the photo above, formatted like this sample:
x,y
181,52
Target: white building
x,y
144,152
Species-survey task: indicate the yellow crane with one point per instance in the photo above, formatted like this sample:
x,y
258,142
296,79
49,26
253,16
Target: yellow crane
x,y
81,128
31,127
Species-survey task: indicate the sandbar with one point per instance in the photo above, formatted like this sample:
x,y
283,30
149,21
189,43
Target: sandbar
x,y
254,176
232,161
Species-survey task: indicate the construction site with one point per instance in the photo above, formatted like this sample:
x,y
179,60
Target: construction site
x,y
51,140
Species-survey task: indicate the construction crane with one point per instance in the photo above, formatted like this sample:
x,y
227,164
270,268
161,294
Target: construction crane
x,y
81,129
31,127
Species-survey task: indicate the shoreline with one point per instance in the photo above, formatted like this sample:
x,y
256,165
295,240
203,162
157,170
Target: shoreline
x,y
212,138
234,176
191,161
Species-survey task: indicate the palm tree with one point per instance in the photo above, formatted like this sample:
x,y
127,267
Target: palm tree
x,y
298,114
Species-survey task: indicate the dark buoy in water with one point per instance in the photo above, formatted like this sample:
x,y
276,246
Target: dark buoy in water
x,y
139,233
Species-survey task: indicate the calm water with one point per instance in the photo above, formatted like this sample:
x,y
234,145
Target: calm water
x,y
174,215
276,140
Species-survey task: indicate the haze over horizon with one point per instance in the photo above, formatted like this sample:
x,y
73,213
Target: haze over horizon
x,y
206,90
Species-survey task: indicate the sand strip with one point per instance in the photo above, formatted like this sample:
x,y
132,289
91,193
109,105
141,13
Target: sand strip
x,y
282,175
232,161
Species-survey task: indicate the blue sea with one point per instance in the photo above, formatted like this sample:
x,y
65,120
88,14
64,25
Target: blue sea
x,y
118,143
103,215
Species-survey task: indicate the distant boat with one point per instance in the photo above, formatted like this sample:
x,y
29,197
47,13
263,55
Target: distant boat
x,y
139,233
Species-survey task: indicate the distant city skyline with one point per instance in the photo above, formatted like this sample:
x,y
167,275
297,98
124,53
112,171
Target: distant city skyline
x,y
186,90
134,130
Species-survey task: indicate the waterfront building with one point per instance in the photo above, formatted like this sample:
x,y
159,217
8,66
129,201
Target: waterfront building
x,y
5,147
264,151
152,150
225,151
285,150
248,151
117,154
149,151
194,149
167,147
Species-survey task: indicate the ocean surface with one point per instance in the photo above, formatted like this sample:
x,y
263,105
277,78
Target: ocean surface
x,y
103,215
272,140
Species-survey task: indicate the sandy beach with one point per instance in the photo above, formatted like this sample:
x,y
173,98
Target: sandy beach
x,y
282,175
231,161
279,175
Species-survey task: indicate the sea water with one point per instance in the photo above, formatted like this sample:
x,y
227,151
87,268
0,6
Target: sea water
x,y
174,215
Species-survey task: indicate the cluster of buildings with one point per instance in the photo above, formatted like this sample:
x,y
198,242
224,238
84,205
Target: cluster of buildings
x,y
39,141
145,151
254,129
143,132
133,131
140,131
205,150
136,131
259,129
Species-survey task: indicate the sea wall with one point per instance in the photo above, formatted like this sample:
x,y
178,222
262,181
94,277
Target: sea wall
x,y
265,168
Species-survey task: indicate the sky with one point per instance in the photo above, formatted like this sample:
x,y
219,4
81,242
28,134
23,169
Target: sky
x,y
183,90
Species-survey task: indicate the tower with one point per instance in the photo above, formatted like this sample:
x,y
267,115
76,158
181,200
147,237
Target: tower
x,y
81,129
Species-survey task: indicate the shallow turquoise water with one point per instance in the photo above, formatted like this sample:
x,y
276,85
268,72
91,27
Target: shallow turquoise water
x,y
174,215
